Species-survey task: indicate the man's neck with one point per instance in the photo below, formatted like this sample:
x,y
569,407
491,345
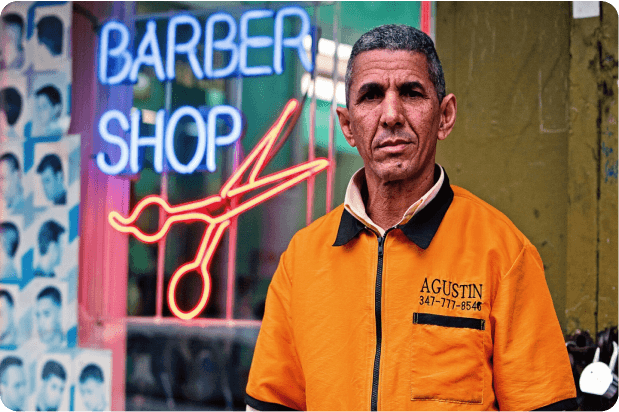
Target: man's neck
x,y
386,202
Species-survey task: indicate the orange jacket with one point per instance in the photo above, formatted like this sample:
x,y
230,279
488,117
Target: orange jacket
x,y
449,311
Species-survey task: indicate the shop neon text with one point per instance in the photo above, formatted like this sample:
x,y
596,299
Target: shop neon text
x,y
117,64
163,140
228,202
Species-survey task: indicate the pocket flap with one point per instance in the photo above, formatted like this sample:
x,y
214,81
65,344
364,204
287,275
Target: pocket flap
x,y
448,321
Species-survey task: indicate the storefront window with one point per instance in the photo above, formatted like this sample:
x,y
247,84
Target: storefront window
x,y
203,363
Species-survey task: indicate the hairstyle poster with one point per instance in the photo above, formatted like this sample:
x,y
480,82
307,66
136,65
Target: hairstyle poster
x,y
35,70
39,208
93,372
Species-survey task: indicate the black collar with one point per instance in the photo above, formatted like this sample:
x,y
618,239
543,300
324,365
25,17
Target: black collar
x,y
420,229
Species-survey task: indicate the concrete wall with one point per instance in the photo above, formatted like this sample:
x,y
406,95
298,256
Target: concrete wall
x,y
536,137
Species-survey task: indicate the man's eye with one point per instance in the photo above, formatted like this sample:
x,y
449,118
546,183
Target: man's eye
x,y
412,93
369,96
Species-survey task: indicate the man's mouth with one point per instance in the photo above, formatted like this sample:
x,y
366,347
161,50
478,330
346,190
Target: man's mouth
x,y
393,146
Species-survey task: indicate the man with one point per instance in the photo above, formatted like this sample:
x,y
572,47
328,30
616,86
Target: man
x,y
12,383
8,331
48,314
413,295
48,103
11,48
10,110
52,179
52,385
11,188
92,388
50,249
49,34
9,241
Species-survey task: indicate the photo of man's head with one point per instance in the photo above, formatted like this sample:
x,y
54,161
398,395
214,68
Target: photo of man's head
x,y
11,47
8,330
11,188
9,242
10,110
51,387
48,109
13,387
92,388
49,34
50,248
52,179
48,317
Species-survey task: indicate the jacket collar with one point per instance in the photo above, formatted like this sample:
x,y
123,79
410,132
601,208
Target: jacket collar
x,y
420,229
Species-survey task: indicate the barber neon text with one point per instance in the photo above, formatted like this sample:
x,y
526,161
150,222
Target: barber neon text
x,y
117,64
217,210
125,66
162,141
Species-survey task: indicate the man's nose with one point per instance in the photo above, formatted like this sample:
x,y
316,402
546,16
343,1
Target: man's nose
x,y
392,115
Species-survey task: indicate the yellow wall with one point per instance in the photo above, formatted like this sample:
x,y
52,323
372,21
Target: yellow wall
x,y
536,137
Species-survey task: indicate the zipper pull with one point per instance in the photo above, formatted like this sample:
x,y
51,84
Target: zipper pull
x,y
381,241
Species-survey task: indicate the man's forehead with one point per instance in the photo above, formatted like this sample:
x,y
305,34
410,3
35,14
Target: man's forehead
x,y
54,379
47,302
14,372
381,64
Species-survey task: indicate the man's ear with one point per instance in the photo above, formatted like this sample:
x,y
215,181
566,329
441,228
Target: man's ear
x,y
448,112
344,117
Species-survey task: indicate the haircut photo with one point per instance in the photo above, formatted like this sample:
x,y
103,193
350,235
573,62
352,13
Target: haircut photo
x,y
50,248
52,179
52,385
9,242
11,42
8,324
13,384
50,34
11,189
48,317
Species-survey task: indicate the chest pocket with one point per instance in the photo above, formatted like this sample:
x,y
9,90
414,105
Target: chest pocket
x,y
447,358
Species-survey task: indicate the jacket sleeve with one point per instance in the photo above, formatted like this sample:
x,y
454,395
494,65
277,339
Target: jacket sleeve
x,y
276,379
531,367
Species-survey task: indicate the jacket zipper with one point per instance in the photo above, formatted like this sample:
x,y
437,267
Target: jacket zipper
x,y
377,312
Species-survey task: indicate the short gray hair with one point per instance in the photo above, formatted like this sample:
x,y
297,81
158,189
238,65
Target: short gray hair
x,y
399,37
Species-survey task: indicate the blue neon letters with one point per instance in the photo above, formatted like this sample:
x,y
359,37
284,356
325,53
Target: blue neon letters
x,y
121,62
117,64
163,140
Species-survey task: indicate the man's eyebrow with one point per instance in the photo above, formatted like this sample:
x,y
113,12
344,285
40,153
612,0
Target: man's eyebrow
x,y
411,85
369,86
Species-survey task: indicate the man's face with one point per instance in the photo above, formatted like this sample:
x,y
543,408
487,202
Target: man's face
x,y
13,388
54,253
6,315
52,390
393,116
10,40
9,180
92,395
52,183
48,319
46,111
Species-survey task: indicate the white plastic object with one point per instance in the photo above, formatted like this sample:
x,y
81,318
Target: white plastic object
x,y
598,378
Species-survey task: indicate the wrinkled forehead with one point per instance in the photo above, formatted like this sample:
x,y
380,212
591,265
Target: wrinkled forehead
x,y
379,64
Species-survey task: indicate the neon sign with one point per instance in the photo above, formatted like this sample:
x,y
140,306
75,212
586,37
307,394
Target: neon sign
x,y
229,198
116,65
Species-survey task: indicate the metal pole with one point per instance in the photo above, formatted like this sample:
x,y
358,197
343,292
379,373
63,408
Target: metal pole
x,y
312,131
332,112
